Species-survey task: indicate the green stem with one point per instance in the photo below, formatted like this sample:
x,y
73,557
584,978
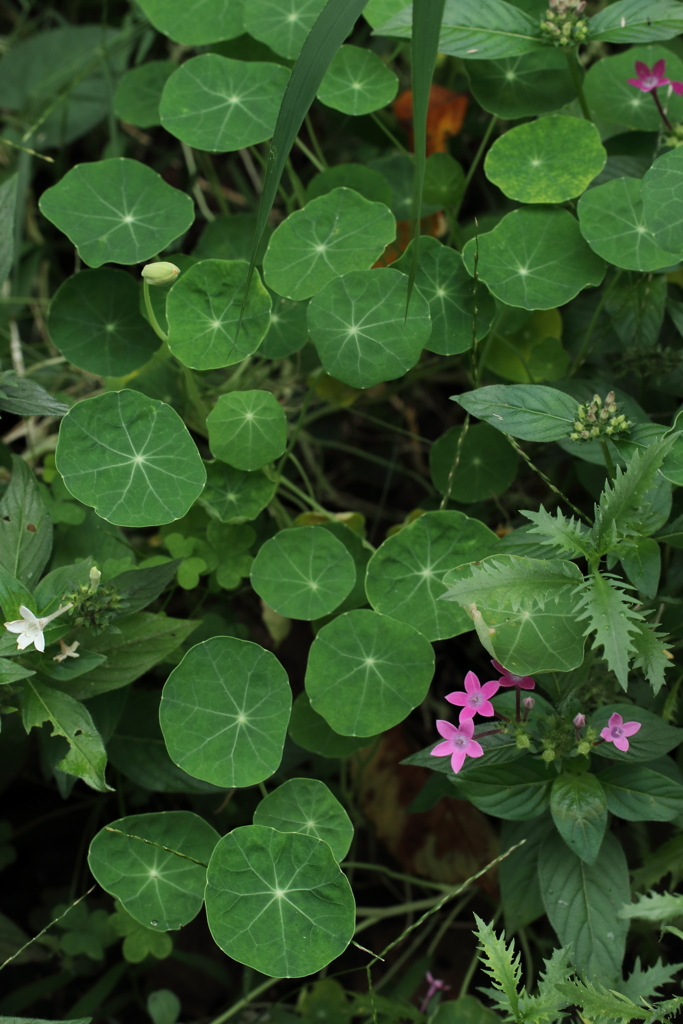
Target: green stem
x,y
611,471
283,481
475,163
546,480
241,1003
150,312
362,866
314,141
573,65
392,138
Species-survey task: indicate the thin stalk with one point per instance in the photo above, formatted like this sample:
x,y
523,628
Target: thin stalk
x,y
297,185
314,141
207,165
660,108
338,446
456,463
297,427
389,134
475,163
407,953
433,945
241,1003
362,866
546,480
150,311
319,166
572,64
611,471
283,481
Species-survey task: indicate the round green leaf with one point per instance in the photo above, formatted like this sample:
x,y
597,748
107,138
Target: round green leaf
x,y
654,738
234,496
535,258
514,792
359,326
663,201
224,712
307,806
613,223
579,808
531,350
450,292
360,553
203,310
288,329
609,95
486,467
229,237
247,429
130,458
357,82
117,211
532,83
332,235
399,170
138,93
548,160
303,573
368,183
155,864
219,104
367,671
309,730
203,21
95,322
444,183
278,901
644,792
281,24
404,574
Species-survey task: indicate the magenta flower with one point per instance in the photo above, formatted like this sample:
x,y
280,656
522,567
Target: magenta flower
x,y
434,985
476,700
458,742
617,730
677,88
509,679
648,80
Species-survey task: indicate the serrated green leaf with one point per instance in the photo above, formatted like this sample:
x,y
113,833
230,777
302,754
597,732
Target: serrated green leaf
x,y
613,618
564,532
501,965
644,792
653,906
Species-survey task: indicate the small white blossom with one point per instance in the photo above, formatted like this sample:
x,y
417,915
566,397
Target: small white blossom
x,y
30,627
66,651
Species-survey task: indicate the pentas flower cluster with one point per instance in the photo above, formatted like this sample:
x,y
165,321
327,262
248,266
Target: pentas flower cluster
x,y
564,23
599,418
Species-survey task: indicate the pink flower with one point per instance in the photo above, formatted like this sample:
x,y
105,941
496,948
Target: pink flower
x,y
579,721
509,679
617,730
677,88
648,80
476,700
458,742
434,985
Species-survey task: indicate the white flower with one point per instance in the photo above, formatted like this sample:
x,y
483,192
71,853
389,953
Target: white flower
x,y
30,627
66,651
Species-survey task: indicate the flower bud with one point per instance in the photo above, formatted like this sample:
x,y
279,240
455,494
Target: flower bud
x,y
528,703
522,741
95,577
548,756
160,273
579,721
584,747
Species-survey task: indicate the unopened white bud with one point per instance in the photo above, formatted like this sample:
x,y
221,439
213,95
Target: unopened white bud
x,y
160,273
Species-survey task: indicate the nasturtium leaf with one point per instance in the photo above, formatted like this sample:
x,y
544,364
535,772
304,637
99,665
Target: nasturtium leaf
x,y
157,867
359,326
609,96
535,258
117,211
229,237
548,160
307,806
579,808
404,575
613,223
203,310
96,323
367,671
368,182
281,24
533,351
288,328
399,170
631,21
219,104
487,30
582,901
376,12
138,93
130,458
357,82
303,573
487,463
360,552
532,412
663,200
513,793
247,429
654,738
644,792
450,292
524,610
224,712
204,21
309,730
233,496
339,232
444,181
278,901
532,83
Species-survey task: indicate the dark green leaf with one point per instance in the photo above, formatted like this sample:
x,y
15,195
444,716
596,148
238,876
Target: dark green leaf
x,y
579,809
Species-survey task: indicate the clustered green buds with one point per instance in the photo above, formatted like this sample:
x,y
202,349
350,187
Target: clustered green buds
x,y
564,23
674,138
599,419
96,606
160,273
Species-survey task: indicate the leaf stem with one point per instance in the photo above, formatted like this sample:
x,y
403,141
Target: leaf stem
x,y
611,471
546,480
573,65
660,108
150,312
475,163
249,998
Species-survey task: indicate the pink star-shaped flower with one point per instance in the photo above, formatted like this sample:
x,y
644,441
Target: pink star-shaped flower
x,y
510,679
617,730
476,701
648,80
458,742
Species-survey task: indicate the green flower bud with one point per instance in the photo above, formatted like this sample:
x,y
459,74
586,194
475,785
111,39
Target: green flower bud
x,y
584,747
522,741
548,756
160,273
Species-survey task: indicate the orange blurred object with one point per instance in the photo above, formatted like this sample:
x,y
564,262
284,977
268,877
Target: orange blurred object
x,y
445,116
435,225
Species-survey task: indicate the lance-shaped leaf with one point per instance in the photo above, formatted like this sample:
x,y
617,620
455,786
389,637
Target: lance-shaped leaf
x,y
487,30
514,793
307,806
523,609
579,808
631,21
278,902
117,211
644,792
86,757
25,526
206,21
532,412
155,864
